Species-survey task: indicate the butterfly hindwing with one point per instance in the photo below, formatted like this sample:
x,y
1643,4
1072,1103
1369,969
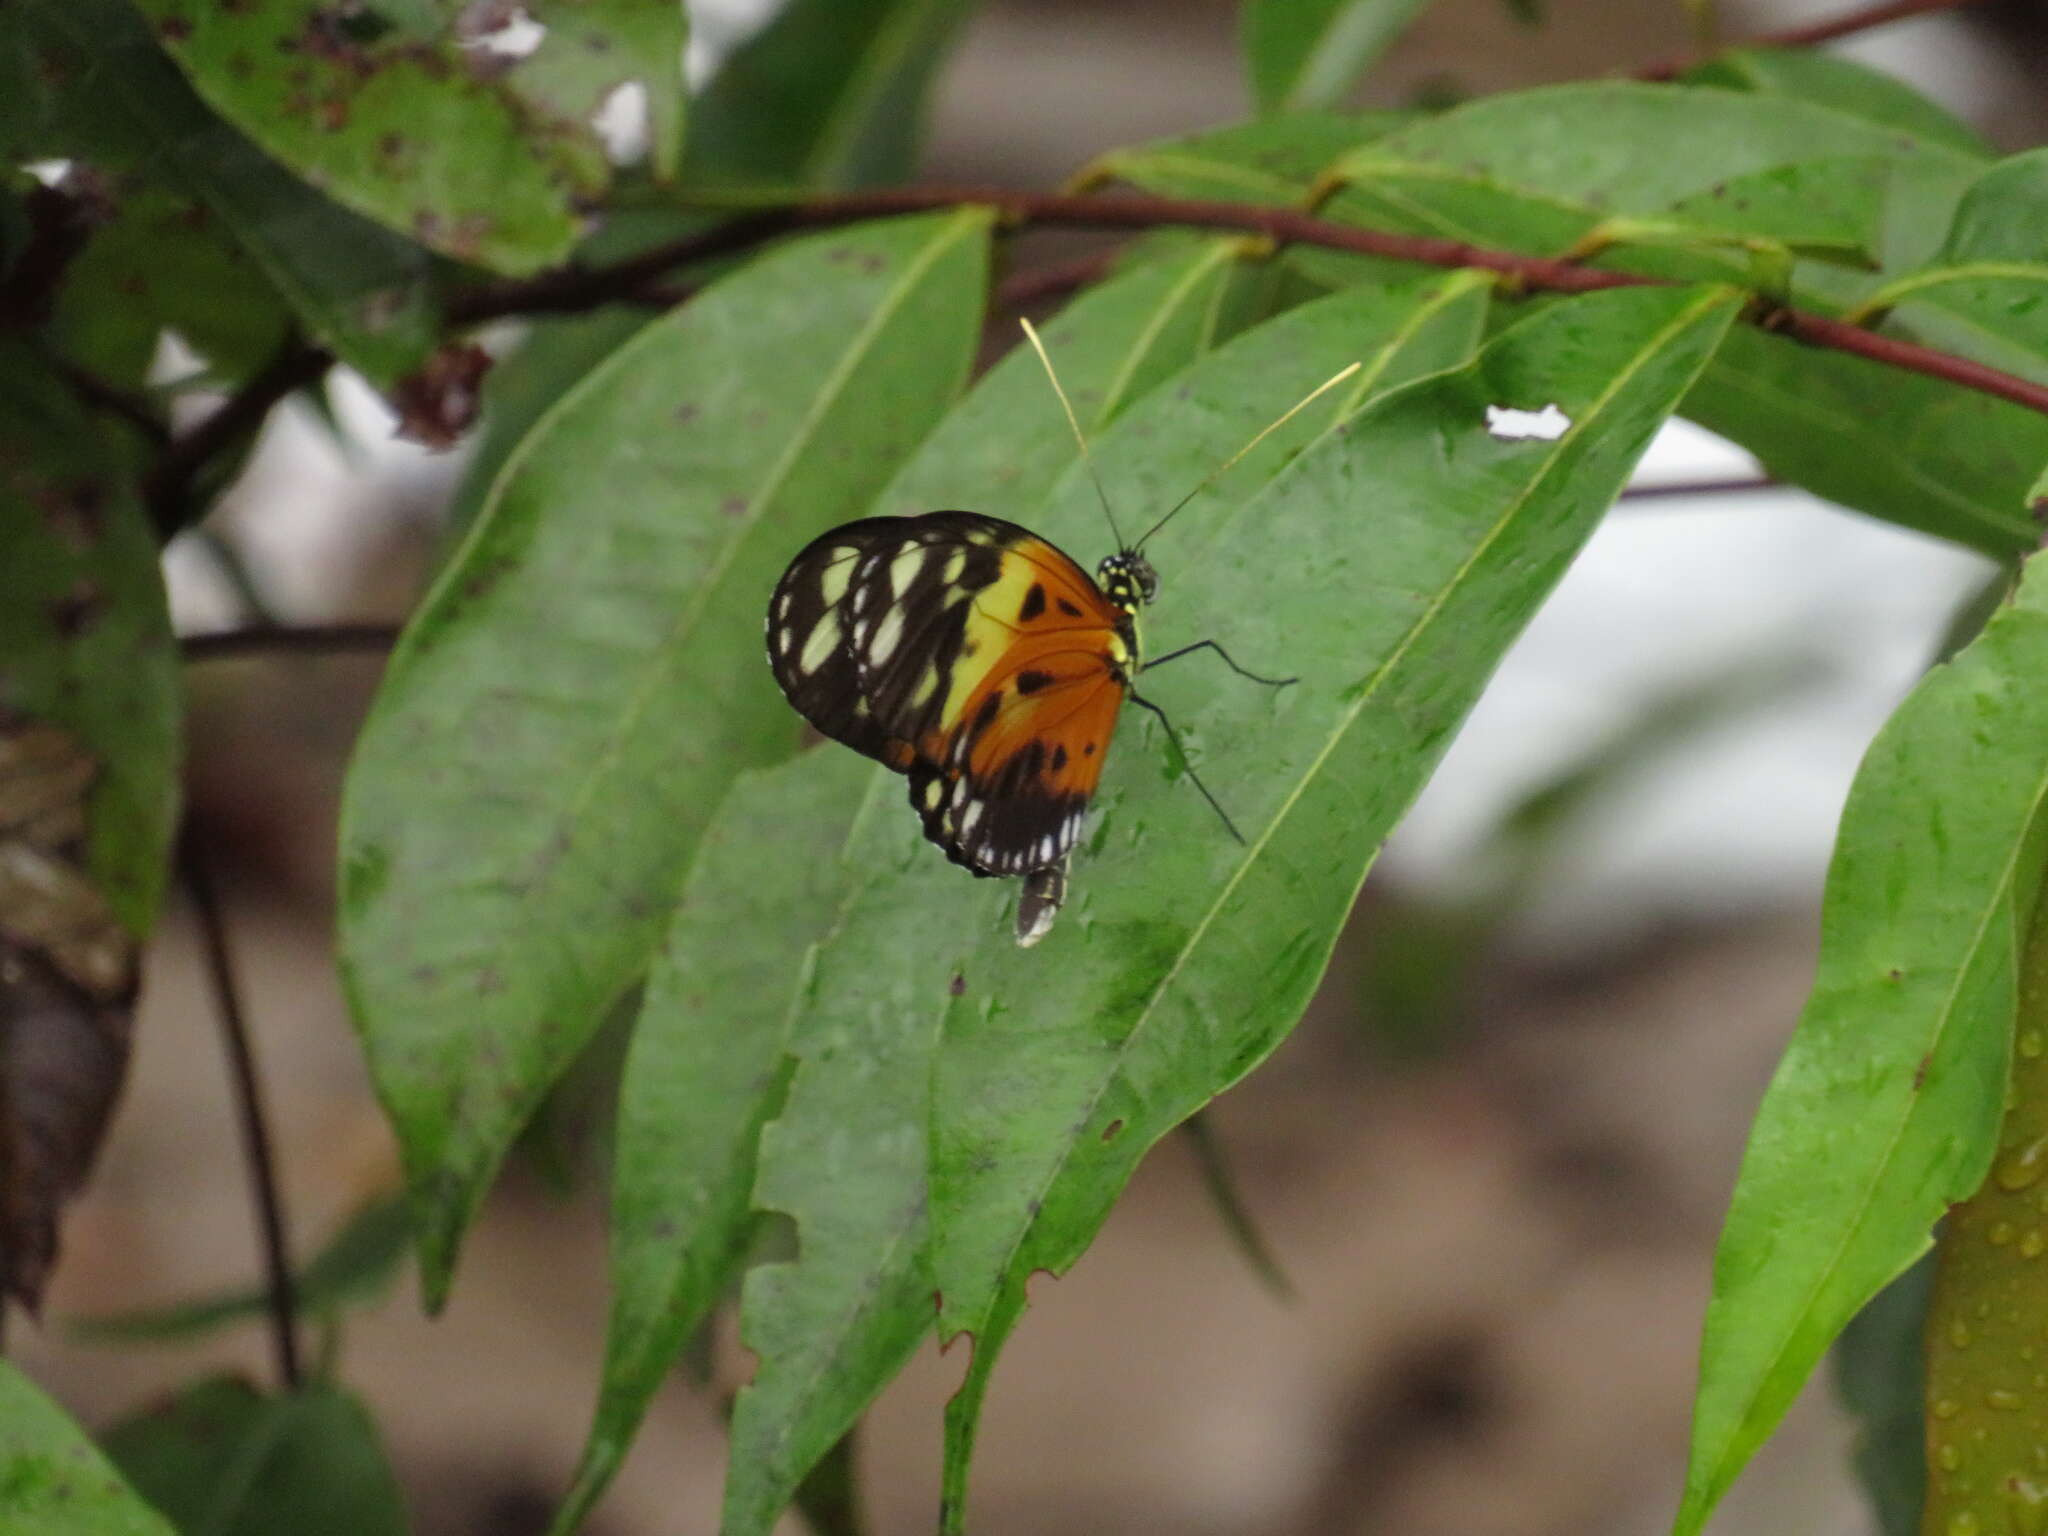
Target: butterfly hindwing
x,y
968,654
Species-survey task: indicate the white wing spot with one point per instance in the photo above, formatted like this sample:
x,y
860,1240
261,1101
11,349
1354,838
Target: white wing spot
x,y
933,791
904,568
926,687
784,639
954,567
824,636
970,818
838,572
883,646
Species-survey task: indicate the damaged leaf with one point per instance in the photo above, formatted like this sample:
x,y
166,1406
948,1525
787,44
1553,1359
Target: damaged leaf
x,y
88,750
470,132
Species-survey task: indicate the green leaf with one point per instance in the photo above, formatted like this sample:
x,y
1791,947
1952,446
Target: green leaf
x,y
1829,80
1304,54
707,1068
1270,160
164,262
565,712
1911,450
1880,1376
1886,1107
1985,293
830,94
1399,554
52,1481
221,1459
85,638
1003,448
1540,170
355,1268
415,120
358,289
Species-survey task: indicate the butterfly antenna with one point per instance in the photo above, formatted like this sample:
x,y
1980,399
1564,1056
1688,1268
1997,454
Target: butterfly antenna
x,y
1031,335
1225,467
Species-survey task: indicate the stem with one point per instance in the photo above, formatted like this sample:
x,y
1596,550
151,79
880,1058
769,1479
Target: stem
x,y
589,287
167,490
1810,34
300,640
248,1109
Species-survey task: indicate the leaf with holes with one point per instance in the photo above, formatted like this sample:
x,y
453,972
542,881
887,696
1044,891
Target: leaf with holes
x,y
359,289
568,707
468,129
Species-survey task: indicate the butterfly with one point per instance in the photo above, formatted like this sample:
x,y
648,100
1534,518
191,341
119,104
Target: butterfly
x,y
986,665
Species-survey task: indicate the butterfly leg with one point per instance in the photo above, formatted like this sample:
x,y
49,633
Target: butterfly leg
x,y
1145,703
1211,645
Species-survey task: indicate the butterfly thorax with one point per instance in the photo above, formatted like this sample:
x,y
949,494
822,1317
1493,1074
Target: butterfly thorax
x,y
1129,582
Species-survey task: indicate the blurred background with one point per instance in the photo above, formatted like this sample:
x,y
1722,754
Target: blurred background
x,y
1491,1162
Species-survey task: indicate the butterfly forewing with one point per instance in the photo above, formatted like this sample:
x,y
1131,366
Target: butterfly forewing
x,y
968,654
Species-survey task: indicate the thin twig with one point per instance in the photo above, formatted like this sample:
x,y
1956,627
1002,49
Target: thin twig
x,y
589,287
1678,488
248,1109
1810,34
167,491
296,640
1223,1193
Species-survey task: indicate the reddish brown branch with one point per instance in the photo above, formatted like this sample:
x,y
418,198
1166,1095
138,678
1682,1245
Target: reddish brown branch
x,y
590,287
1807,36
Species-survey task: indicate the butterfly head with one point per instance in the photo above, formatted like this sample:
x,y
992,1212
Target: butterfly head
x,y
1127,580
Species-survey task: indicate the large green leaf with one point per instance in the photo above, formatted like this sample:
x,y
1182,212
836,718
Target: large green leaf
x,y
859,1217
222,1459
1913,450
1303,54
119,102
1885,1109
1399,555
832,93
415,117
1829,80
1549,169
565,712
52,1481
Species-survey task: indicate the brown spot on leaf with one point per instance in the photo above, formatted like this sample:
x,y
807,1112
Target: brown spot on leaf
x,y
1111,1131
958,986
438,402
78,609
333,114
734,506
174,29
